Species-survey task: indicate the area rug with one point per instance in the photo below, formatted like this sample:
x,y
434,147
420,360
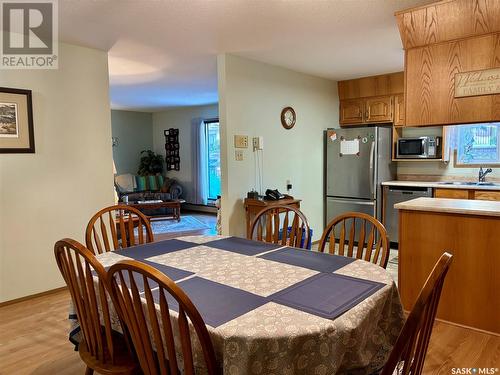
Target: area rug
x,y
394,260
187,223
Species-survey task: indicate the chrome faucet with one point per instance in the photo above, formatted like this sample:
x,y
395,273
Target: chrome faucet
x,y
482,174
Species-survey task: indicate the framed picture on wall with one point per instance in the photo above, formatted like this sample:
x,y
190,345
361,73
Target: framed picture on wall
x,y
16,121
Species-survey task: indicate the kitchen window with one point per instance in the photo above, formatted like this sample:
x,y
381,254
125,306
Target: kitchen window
x,y
477,145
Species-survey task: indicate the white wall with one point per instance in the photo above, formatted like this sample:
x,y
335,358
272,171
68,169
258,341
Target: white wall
x,y
53,193
182,119
134,131
251,97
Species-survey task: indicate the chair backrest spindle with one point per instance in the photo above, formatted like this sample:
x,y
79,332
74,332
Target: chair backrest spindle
x,y
117,227
283,225
360,231
79,269
408,354
161,344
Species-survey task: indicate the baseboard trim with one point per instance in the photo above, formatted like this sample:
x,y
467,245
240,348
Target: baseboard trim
x,y
32,296
468,327
460,325
198,208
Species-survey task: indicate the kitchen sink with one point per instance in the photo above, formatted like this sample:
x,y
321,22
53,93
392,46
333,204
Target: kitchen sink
x,y
469,183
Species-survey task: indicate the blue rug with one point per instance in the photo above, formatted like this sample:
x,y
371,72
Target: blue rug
x,y
187,223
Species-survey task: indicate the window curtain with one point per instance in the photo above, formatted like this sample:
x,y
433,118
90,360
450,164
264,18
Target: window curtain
x,y
200,163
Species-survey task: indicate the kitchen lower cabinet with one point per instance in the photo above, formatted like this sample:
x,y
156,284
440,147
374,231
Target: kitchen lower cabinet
x,y
470,293
454,193
487,195
484,195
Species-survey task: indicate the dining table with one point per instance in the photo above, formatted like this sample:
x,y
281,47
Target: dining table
x,y
272,309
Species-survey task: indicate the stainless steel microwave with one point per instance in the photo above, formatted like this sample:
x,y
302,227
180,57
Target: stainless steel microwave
x,y
428,147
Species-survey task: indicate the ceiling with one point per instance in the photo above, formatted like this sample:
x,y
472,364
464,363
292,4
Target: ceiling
x,y
163,53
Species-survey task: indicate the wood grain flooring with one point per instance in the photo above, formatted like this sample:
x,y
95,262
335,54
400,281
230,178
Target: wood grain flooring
x,y
34,340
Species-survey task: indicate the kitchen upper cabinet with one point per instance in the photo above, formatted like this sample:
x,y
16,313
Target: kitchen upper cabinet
x,y
351,111
430,88
370,100
451,48
399,110
378,109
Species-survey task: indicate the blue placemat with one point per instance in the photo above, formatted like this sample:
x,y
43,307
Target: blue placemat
x,y
217,303
172,272
328,295
313,260
152,249
242,245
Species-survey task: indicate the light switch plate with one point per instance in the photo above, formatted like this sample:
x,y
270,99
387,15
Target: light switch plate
x,y
241,141
238,155
258,143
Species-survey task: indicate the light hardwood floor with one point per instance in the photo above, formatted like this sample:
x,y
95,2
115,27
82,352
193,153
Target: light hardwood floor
x,y
34,340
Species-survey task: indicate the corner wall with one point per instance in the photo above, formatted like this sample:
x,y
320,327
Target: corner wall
x,y
134,131
182,119
251,97
53,193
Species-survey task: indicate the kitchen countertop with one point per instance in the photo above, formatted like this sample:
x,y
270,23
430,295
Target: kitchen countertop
x,y
442,185
457,206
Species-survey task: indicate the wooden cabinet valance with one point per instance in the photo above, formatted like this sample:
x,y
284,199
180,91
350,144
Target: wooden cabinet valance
x,y
442,40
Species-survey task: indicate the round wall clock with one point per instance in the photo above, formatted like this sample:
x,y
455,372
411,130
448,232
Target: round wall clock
x,y
288,117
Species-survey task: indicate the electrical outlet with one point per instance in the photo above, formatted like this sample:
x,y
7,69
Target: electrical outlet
x,y
241,141
238,155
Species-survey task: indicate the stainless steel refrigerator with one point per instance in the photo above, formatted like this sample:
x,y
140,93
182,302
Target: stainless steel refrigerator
x,y
357,161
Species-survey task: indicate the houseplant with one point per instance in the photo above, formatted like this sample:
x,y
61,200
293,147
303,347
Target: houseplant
x,y
150,163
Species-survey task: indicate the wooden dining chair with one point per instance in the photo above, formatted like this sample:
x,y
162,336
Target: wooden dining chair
x,y
408,355
360,231
160,339
117,227
102,349
284,225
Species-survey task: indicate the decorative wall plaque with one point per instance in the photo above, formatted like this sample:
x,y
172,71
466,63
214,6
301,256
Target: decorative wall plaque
x,y
477,83
172,149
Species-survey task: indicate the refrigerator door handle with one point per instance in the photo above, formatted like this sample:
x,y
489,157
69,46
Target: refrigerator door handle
x,y
371,169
